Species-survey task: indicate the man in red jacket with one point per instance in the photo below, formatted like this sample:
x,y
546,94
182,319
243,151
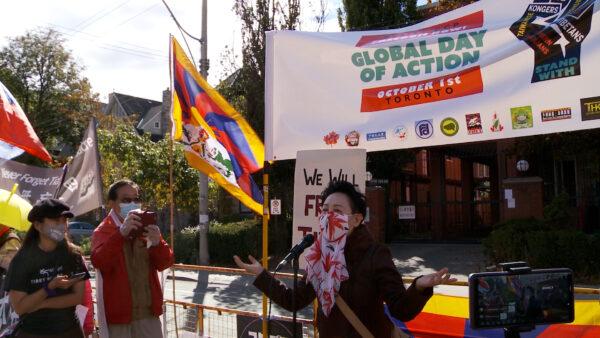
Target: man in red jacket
x,y
129,289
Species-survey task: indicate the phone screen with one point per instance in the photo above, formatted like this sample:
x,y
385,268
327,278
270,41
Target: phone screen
x,y
500,299
78,275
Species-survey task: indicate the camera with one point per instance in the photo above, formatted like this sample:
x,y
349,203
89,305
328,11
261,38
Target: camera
x,y
146,218
521,297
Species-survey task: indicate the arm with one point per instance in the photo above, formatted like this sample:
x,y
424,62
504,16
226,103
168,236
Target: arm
x,y
404,304
23,303
60,302
283,295
161,256
277,291
105,248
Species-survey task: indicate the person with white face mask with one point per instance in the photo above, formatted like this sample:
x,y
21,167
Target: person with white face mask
x,y
46,278
129,295
349,273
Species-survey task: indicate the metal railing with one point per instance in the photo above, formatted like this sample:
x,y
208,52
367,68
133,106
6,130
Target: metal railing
x,y
183,319
406,280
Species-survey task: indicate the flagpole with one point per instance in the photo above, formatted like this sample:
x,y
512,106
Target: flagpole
x,y
202,178
171,196
265,242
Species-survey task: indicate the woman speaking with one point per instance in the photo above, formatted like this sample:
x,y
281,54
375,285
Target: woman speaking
x,y
349,273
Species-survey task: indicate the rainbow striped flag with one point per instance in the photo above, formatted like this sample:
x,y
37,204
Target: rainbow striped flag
x,y
217,139
448,316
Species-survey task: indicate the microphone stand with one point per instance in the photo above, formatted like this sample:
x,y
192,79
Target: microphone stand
x,y
296,267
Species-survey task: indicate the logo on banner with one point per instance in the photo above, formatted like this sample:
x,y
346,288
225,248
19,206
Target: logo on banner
x,y
331,138
87,184
556,114
424,128
590,108
555,30
71,184
385,57
474,124
401,132
496,125
522,117
449,126
380,135
352,138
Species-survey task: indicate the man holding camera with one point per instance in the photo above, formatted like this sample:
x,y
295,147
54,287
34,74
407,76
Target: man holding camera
x,y
128,253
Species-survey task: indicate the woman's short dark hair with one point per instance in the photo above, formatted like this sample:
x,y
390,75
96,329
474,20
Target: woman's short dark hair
x,y
114,188
357,199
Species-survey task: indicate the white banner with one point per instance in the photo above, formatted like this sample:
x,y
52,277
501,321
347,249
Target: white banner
x,y
490,70
314,170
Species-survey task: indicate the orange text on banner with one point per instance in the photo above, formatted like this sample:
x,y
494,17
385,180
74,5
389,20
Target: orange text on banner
x,y
451,86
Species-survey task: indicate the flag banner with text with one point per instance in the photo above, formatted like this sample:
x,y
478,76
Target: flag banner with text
x,y
81,187
35,183
486,71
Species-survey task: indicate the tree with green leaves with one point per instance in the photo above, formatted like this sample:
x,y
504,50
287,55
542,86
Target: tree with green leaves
x,y
443,6
376,14
44,77
126,154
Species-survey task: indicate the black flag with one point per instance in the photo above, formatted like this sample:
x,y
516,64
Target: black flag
x,y
81,187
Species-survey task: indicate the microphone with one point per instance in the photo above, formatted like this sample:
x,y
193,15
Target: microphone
x,y
298,249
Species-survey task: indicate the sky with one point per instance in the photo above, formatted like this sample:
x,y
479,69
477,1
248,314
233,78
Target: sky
x,y
123,44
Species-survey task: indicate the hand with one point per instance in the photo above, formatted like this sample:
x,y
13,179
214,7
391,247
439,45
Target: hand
x,y
62,282
254,267
152,234
132,222
431,280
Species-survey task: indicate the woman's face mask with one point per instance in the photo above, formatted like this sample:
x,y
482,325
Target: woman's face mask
x,y
334,226
340,203
55,229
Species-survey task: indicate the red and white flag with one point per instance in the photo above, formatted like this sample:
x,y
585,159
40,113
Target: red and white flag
x,y
15,129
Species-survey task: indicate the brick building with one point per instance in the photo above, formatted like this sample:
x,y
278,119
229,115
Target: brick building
x,y
461,191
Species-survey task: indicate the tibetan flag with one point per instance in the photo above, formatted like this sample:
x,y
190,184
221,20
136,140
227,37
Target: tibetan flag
x,y
16,131
448,316
217,139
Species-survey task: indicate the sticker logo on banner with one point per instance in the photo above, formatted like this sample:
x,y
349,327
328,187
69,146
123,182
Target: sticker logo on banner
x,y
331,138
590,108
401,132
449,126
352,138
424,128
556,114
474,124
522,117
496,125
380,135
555,30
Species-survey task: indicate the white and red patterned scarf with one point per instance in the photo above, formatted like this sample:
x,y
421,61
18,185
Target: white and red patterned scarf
x,y
326,264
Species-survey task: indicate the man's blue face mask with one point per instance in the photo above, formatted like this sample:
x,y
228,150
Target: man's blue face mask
x,y
127,207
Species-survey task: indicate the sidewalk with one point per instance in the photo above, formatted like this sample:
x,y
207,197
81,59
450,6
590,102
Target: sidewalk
x,y
415,259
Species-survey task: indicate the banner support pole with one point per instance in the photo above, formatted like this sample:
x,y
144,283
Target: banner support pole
x,y
265,243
